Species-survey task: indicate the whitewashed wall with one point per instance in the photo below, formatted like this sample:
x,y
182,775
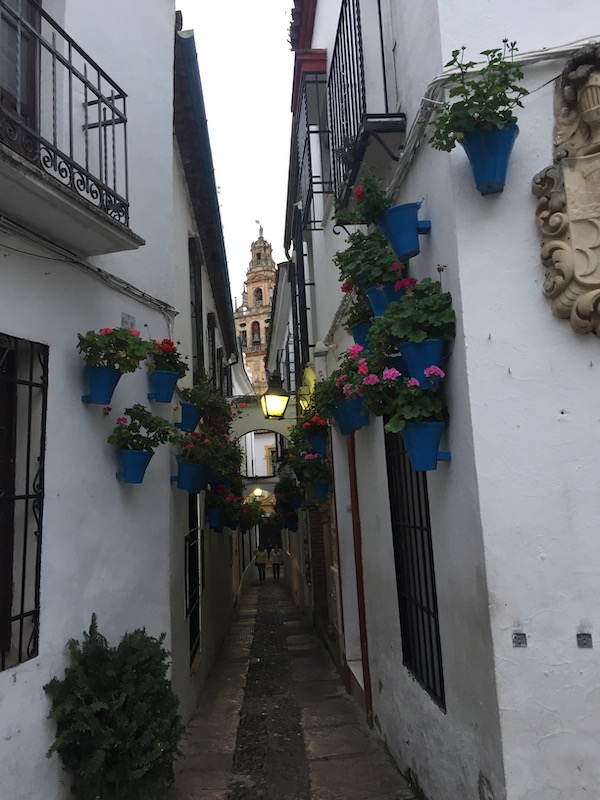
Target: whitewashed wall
x,y
513,514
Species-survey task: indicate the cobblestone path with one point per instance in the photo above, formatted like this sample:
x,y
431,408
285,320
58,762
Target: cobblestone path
x,y
274,721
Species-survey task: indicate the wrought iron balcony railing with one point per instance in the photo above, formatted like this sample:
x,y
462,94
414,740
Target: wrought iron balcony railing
x,y
312,142
358,113
60,110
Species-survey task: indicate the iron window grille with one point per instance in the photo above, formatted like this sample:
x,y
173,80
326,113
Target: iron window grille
x,y
60,110
312,142
415,575
192,577
23,396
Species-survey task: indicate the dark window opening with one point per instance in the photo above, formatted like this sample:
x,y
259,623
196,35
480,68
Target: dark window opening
x,y
415,575
258,297
23,393
255,333
192,577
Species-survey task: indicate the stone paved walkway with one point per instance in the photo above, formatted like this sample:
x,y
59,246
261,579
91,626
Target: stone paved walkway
x,y
274,721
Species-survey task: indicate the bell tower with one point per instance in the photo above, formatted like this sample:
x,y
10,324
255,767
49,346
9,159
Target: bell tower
x,y
253,316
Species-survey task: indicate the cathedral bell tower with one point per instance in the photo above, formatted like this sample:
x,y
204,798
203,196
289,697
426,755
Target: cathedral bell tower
x,y
253,317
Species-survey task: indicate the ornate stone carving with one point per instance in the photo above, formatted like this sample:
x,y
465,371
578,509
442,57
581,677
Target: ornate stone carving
x,y
568,192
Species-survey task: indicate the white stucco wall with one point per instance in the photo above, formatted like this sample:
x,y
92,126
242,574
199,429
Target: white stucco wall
x,y
107,547
513,513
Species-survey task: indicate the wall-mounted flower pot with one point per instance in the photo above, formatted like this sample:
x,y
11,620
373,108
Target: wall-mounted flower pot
x,y
190,477
102,382
318,443
321,490
420,355
381,295
134,465
422,440
401,227
359,334
488,151
190,417
350,415
215,519
163,382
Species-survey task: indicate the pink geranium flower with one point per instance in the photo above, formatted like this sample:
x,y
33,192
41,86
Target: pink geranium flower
x,y
122,421
390,374
363,367
105,331
413,383
135,332
340,380
347,389
354,351
405,284
434,372
370,380
346,287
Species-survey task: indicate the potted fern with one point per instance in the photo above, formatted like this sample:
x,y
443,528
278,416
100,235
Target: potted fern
x,y
117,722
479,113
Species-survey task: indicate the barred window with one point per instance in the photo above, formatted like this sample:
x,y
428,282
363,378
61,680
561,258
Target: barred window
x,y
415,576
23,392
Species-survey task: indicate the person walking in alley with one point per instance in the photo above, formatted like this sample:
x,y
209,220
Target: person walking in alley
x,y
276,559
261,555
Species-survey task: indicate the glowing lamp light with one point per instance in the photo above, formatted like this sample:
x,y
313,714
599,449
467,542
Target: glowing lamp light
x,y
274,401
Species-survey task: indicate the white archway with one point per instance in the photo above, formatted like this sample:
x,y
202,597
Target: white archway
x,y
251,418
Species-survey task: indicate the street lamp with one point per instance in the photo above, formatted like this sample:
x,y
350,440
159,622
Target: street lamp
x,y
274,401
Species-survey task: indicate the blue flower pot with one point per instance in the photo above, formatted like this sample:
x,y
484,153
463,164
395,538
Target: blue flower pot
x,y
422,440
190,417
321,490
401,227
102,382
488,151
381,295
215,519
420,355
190,477
349,415
134,465
163,382
319,443
359,333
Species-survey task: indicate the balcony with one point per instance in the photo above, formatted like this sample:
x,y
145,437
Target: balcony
x,y
63,137
311,137
362,130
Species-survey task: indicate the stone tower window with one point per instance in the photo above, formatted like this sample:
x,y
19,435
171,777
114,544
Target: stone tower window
x,y
258,256
244,338
258,297
255,333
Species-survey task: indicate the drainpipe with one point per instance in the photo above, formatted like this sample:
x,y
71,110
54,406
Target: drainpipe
x,y
360,589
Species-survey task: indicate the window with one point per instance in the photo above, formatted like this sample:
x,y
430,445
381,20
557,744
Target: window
x,y
415,576
23,391
255,333
244,336
258,297
258,256
17,60
192,577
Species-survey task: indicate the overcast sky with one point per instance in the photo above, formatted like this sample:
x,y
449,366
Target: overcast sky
x,y
246,68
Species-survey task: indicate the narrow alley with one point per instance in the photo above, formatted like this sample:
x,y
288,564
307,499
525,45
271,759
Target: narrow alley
x,y
274,720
